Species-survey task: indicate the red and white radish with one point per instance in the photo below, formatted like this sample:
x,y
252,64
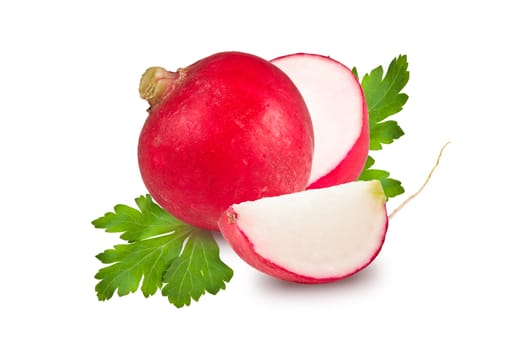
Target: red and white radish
x,y
229,128
314,236
339,115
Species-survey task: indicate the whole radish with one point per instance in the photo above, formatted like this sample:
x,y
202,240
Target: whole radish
x,y
229,128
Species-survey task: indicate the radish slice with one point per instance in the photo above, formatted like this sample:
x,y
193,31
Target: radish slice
x,y
314,236
339,115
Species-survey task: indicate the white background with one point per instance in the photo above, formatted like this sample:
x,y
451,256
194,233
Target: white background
x,y
450,273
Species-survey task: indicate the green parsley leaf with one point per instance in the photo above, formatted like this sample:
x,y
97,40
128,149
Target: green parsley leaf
x,y
197,269
391,187
131,262
355,72
158,244
384,98
385,132
150,220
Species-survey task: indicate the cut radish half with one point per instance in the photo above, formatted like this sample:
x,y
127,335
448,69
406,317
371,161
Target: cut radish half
x,y
314,236
339,115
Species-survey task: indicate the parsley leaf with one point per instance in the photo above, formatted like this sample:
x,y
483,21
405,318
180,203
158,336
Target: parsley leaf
x,y
391,187
384,98
158,244
197,269
130,262
385,133
150,220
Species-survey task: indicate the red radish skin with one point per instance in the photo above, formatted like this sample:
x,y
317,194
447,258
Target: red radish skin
x,y
339,115
230,224
229,128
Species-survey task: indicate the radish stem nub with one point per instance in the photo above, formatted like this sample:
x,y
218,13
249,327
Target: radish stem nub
x,y
154,82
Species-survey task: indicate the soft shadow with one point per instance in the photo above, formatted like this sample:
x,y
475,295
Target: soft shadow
x,y
219,237
362,279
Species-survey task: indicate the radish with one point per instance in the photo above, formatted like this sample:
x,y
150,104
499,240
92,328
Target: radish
x,y
314,236
339,115
229,128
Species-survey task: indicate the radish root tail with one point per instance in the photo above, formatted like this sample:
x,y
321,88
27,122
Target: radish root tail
x,y
411,197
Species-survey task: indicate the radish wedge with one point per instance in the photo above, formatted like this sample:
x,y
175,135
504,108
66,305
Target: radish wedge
x,y
314,236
